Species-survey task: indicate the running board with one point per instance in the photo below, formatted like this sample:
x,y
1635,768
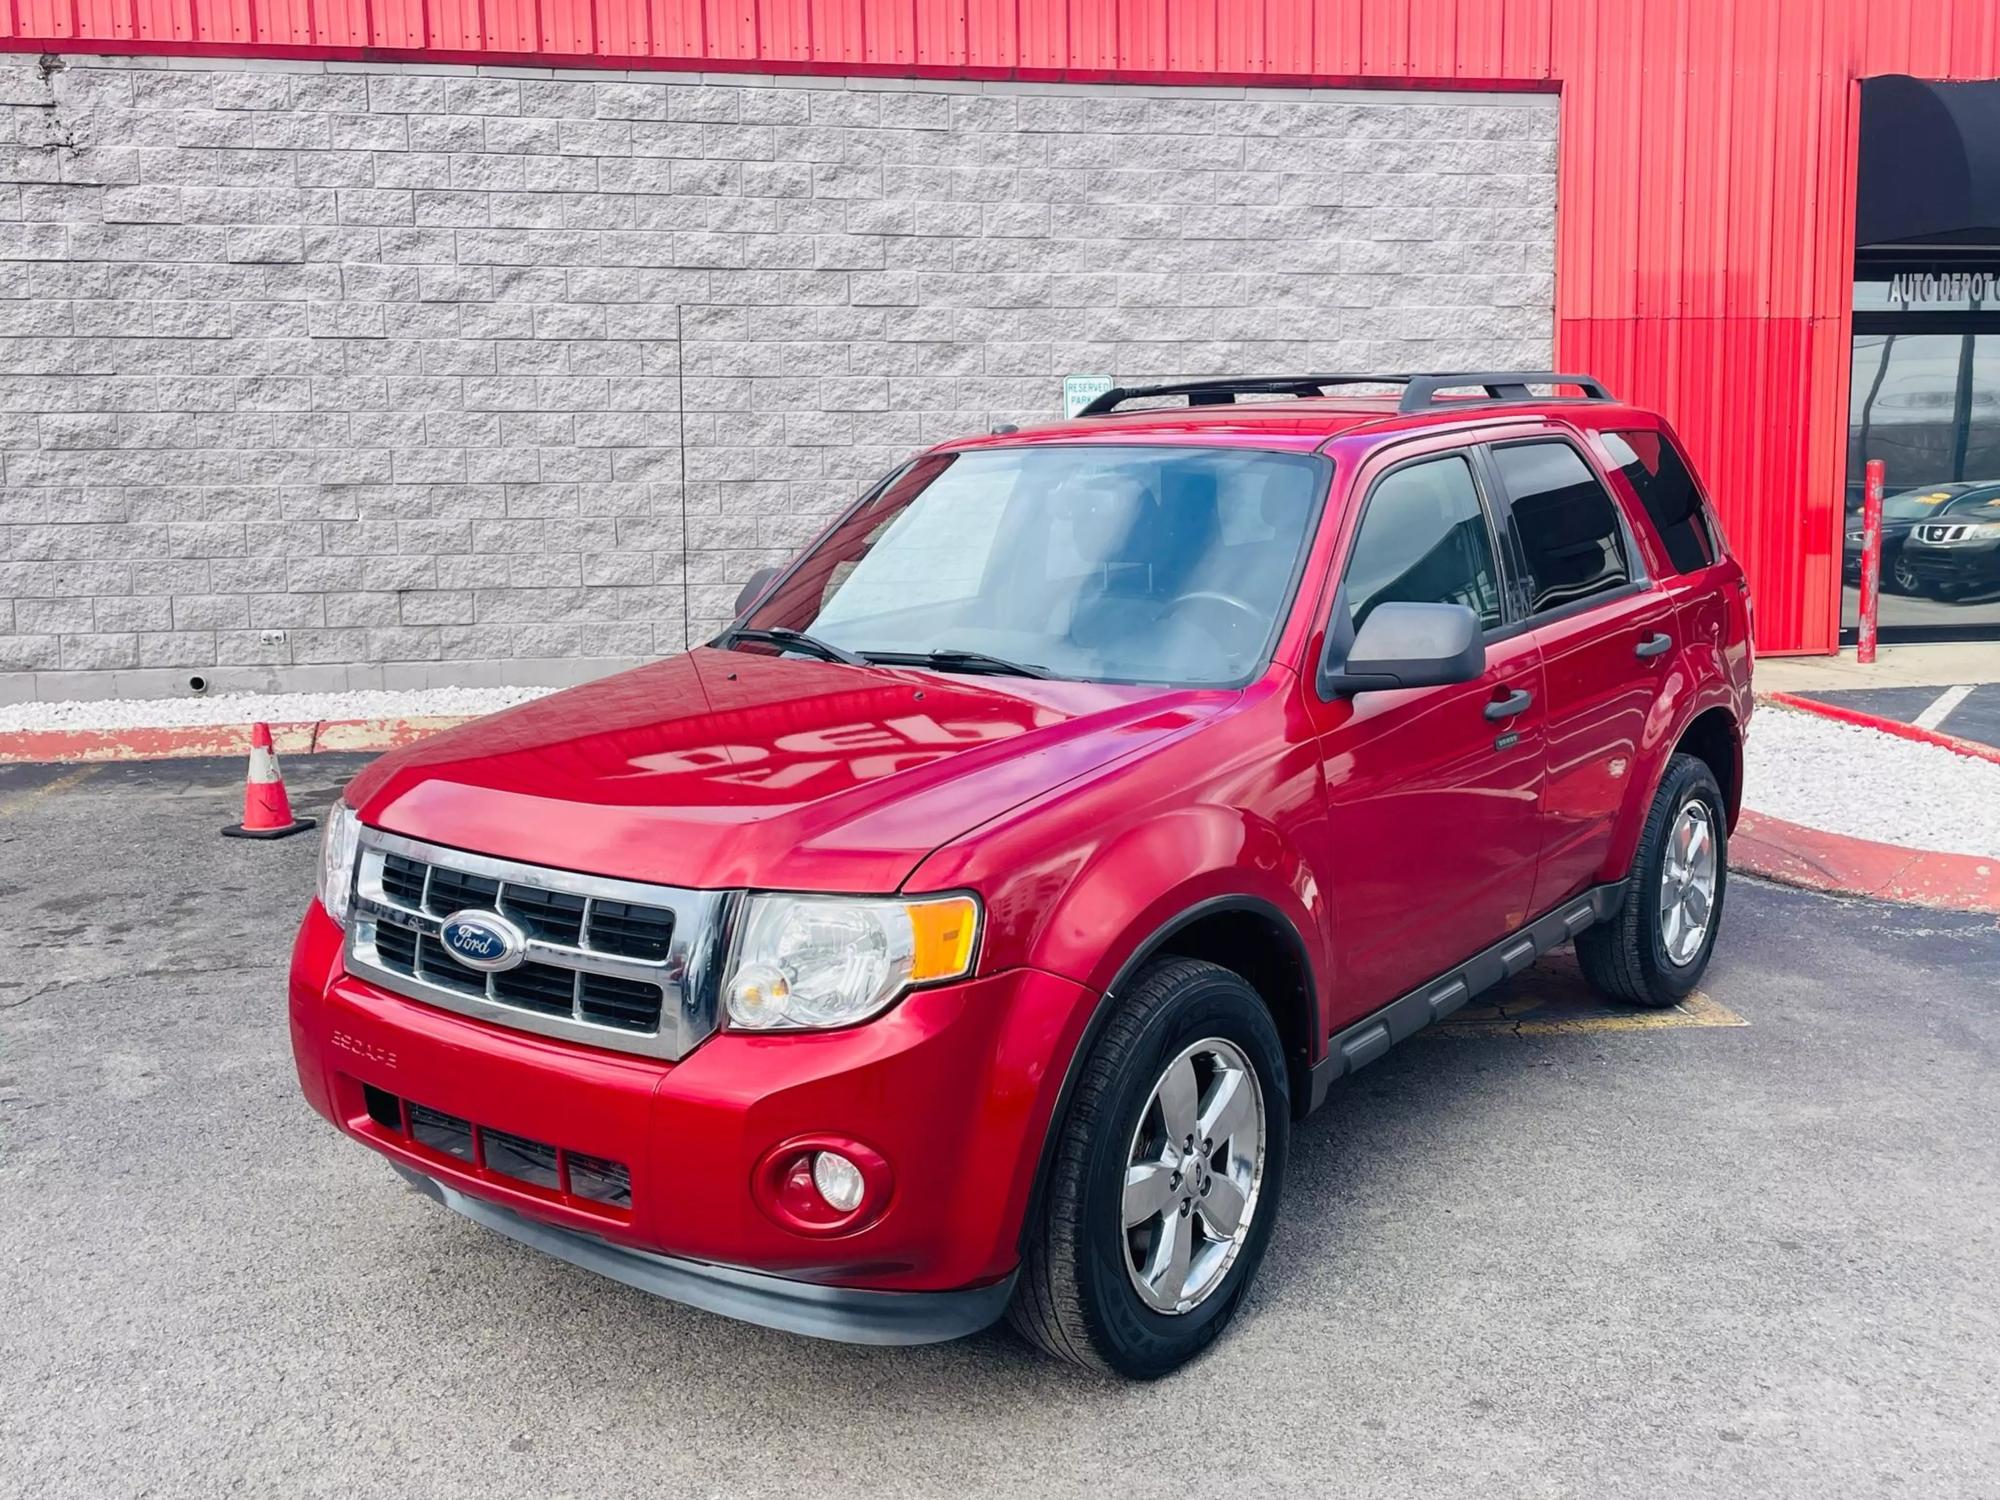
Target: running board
x,y
1354,1047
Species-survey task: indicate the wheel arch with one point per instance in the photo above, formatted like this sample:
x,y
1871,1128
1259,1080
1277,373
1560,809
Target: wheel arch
x,y
1714,737
1284,979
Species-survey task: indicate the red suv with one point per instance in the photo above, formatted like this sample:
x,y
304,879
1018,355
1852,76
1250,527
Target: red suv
x,y
962,931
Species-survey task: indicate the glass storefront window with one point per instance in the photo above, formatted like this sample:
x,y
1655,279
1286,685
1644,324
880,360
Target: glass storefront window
x,y
1926,401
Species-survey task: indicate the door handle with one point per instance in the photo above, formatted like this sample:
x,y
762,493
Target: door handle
x,y
1514,703
1653,645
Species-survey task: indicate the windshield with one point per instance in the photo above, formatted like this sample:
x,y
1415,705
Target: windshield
x,y
1108,564
1914,505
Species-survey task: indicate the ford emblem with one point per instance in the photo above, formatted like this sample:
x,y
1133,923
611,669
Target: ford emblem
x,y
483,940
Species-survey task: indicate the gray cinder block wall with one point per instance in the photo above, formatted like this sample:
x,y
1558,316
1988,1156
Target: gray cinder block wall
x,y
321,376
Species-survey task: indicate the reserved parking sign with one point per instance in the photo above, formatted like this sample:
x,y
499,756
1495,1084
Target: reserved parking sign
x,y
1080,390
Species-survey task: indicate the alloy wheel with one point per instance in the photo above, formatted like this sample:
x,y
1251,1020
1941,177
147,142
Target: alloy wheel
x,y
1687,883
1192,1175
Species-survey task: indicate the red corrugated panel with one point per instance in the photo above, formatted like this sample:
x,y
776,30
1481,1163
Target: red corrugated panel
x,y
1045,36
677,30
731,28
889,33
1433,39
784,30
621,26
940,30
397,23
106,18
46,18
1385,37
1142,35
1336,38
160,20
283,23
1288,37
992,36
230,22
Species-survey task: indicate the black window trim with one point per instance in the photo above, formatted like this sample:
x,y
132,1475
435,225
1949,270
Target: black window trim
x,y
1638,577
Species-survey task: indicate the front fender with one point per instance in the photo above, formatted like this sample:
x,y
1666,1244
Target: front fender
x,y
1138,886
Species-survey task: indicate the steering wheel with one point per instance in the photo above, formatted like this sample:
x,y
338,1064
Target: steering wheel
x,y
1245,625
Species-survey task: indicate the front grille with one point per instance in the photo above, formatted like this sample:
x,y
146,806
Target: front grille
x,y
621,927
611,1001
568,1174
601,925
610,962
1942,532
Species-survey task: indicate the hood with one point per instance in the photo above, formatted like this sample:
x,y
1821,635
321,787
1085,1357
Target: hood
x,y
724,769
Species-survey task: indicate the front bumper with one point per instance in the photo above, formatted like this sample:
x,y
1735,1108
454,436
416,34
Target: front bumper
x,y
853,1316
953,1088
1966,563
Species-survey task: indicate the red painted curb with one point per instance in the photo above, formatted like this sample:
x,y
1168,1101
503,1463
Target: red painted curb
x,y
1897,727
187,741
1821,861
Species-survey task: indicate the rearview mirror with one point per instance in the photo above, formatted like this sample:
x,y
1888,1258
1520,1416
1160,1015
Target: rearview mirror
x,y
1403,645
747,595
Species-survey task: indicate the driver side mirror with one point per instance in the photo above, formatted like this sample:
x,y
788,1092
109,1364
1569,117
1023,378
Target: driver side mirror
x,y
747,595
1402,645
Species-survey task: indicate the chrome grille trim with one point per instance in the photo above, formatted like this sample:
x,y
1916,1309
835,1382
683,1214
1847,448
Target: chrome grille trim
x,y
1942,531
688,978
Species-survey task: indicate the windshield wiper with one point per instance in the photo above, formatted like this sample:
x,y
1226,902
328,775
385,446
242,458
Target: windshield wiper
x,y
795,640
959,661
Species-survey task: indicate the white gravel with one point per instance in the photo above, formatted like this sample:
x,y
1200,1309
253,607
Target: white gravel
x,y
244,708
1845,778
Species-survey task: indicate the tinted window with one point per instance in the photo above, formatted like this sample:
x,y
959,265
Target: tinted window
x,y
1424,540
1567,524
1664,486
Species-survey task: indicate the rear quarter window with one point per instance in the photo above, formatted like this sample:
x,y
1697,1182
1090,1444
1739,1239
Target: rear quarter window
x,y
1660,477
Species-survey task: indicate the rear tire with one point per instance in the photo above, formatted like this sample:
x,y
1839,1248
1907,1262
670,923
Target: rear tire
x,y
1098,1285
1650,952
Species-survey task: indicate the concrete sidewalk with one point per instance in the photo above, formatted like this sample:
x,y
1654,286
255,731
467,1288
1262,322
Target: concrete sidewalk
x,y
1939,664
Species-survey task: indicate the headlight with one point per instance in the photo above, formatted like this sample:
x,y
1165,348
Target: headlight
x,y
808,962
340,839
1983,529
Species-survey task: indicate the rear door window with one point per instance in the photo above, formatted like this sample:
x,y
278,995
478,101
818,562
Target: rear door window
x,y
1660,477
1571,541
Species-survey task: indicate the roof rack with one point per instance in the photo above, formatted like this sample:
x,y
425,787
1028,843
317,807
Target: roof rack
x,y
1420,391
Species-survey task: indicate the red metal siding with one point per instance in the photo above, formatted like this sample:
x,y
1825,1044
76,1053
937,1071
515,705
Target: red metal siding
x,y
1706,174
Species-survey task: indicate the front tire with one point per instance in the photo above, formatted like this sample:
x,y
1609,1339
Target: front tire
x,y
1165,1180
1654,949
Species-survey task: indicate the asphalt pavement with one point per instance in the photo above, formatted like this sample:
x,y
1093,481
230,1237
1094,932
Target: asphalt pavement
x,y
1971,712
1580,1258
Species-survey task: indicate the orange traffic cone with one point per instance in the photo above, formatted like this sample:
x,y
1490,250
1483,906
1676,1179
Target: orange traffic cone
x,y
267,811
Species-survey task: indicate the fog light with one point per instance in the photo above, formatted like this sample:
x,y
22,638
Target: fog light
x,y
838,1180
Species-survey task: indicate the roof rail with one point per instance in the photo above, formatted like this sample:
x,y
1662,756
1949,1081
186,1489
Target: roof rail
x,y
1420,391
1223,390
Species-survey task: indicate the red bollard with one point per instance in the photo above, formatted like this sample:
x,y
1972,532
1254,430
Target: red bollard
x,y
1871,562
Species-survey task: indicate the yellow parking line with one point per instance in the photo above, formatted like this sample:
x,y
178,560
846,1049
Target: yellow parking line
x,y
21,801
1697,1010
